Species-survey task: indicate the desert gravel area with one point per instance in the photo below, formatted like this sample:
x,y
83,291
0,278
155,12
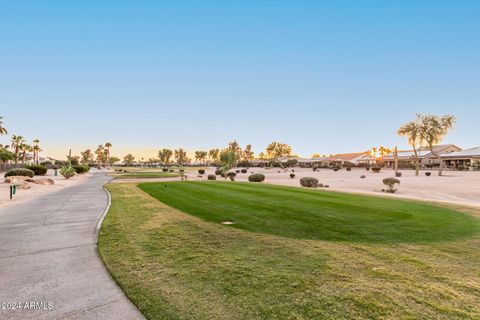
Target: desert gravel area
x,y
37,189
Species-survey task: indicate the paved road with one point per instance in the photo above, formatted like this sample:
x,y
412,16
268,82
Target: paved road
x,y
48,254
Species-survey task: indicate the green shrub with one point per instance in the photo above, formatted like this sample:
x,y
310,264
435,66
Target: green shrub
x,y
336,168
68,172
231,175
309,182
237,171
165,169
20,172
363,176
292,175
257,177
218,172
81,169
390,183
398,174
348,168
38,170
244,171
376,169
428,174
212,177
201,171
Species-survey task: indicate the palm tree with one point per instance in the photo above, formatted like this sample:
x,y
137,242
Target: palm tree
x,y
432,131
24,148
108,145
16,142
374,151
384,151
36,149
3,131
411,130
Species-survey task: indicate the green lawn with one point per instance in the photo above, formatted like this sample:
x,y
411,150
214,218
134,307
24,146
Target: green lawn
x,y
145,175
176,265
314,214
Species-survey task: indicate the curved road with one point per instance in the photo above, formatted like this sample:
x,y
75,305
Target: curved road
x,y
48,255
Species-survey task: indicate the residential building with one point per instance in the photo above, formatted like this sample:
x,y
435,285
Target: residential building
x,y
406,158
462,159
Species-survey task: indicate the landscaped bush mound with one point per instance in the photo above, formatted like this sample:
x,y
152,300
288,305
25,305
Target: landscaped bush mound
x,y
309,182
231,175
257,177
165,169
218,172
376,169
237,171
201,171
212,177
81,169
428,174
292,175
20,172
38,170
68,172
390,183
244,171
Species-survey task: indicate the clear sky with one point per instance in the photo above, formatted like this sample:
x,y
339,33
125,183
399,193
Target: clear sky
x,y
323,76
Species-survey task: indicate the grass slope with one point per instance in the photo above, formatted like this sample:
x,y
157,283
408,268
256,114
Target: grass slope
x,y
174,265
313,214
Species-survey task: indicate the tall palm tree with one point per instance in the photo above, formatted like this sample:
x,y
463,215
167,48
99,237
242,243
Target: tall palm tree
x,y
411,130
25,148
374,151
3,131
433,130
36,149
16,142
108,145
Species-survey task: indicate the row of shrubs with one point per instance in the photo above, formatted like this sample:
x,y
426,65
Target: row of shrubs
x,y
39,170
257,177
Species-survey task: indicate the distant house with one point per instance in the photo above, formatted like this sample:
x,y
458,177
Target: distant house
x,y
465,158
406,158
359,158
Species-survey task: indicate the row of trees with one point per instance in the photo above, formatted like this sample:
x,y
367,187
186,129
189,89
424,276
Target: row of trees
x,y
273,152
18,148
101,156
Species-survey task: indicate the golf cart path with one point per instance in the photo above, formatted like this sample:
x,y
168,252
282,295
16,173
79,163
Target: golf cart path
x,y
48,253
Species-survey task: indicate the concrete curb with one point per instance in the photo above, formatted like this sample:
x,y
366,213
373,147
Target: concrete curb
x,y
104,214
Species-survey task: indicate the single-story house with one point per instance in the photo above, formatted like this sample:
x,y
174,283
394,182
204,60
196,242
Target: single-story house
x,y
358,158
465,158
406,158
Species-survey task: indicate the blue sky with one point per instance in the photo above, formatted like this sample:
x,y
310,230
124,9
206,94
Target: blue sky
x,y
323,76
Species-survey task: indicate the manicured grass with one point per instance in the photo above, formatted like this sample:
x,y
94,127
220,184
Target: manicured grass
x,y
146,175
174,265
314,214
